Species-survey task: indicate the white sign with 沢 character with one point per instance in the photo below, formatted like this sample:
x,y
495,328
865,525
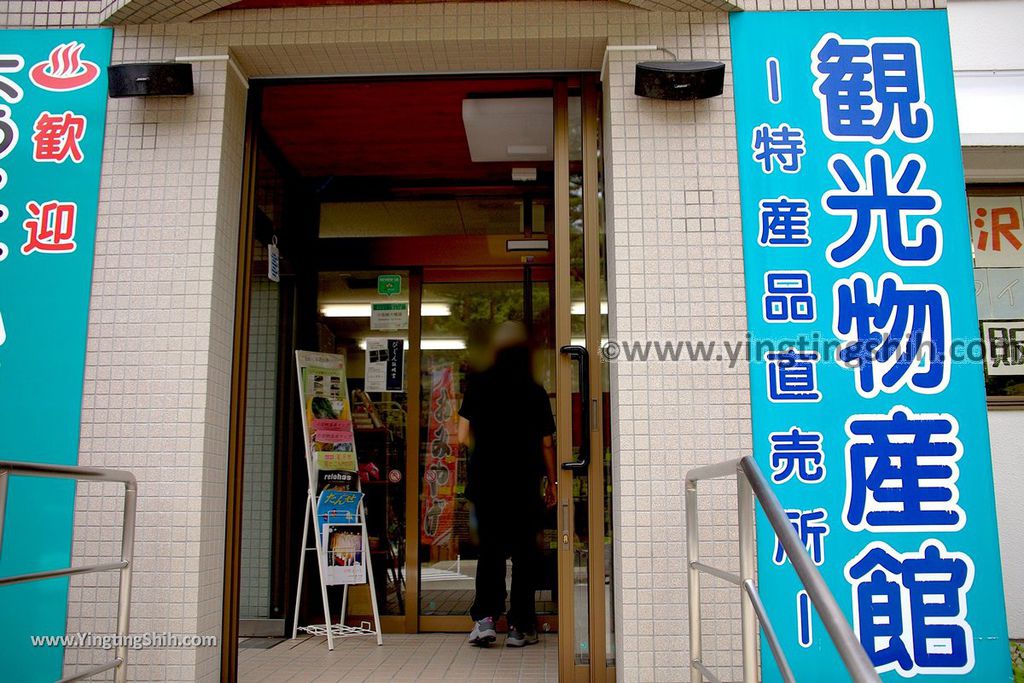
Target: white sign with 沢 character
x,y
996,233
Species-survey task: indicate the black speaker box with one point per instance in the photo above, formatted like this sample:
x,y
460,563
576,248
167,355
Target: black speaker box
x,y
149,80
670,80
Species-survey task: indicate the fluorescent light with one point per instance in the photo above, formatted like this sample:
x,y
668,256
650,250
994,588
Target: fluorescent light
x,y
580,341
527,245
435,310
405,344
346,310
442,344
363,310
579,308
431,344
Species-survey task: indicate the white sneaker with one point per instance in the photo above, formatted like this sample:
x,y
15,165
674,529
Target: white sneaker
x,y
517,638
483,633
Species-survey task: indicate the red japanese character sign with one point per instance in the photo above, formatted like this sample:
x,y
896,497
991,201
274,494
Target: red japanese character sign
x,y
51,228
57,137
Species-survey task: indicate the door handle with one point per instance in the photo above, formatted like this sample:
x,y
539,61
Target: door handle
x,y
582,358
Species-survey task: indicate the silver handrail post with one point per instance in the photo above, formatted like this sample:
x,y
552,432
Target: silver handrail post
x,y
693,578
857,662
124,566
124,597
750,485
748,620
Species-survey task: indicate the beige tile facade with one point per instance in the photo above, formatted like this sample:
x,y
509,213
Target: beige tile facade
x,y
159,347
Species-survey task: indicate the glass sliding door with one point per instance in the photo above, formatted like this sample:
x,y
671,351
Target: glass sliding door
x,y
586,652
452,348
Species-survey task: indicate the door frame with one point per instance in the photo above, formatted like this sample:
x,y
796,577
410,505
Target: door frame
x,y
596,669
589,88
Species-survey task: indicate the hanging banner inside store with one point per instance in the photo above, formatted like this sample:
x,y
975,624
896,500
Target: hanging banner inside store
x,y
439,469
869,412
52,115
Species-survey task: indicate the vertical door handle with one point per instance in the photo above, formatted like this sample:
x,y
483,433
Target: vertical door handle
x,y
582,358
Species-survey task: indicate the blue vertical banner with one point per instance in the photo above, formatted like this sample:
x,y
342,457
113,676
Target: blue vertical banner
x,y
867,391
52,108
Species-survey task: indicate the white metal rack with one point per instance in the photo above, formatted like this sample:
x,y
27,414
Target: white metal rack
x,y
329,361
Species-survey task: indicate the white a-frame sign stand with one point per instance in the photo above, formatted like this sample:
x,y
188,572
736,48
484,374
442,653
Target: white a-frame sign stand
x,y
322,376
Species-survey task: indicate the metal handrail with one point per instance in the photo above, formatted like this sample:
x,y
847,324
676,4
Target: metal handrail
x,y
30,469
751,484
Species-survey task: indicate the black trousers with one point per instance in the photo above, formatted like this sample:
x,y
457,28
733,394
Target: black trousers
x,y
504,534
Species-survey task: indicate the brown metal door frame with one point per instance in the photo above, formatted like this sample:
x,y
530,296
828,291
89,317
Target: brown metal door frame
x,y
600,672
597,670
236,418
567,669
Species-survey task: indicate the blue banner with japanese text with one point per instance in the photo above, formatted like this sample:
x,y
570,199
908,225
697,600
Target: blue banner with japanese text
x,y
867,392
53,98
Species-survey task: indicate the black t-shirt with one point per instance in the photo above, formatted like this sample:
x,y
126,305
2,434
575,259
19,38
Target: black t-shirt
x,y
509,420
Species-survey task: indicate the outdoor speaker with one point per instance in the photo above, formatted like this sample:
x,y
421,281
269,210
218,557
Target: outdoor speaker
x,y
664,80
149,80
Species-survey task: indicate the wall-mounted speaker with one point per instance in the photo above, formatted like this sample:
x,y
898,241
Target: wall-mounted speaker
x,y
149,80
672,80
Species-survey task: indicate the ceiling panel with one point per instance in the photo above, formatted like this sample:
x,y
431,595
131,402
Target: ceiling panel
x,y
397,132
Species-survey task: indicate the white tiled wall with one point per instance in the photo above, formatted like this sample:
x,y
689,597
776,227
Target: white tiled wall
x,y
158,365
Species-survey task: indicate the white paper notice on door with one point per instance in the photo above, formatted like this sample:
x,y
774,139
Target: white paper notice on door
x,y
385,364
389,316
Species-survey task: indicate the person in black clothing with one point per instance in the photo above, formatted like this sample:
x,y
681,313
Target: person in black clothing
x,y
506,420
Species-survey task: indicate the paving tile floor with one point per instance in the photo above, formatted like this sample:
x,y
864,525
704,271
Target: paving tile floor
x,y
403,658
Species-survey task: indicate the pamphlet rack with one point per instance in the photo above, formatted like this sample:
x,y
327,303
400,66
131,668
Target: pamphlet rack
x,y
307,359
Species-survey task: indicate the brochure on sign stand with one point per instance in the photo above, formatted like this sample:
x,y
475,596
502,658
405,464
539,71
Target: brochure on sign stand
x,y
334,508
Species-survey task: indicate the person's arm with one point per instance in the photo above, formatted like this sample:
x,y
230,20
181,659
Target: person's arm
x,y
465,433
551,490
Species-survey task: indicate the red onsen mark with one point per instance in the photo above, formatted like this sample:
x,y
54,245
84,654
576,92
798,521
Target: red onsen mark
x,y
65,69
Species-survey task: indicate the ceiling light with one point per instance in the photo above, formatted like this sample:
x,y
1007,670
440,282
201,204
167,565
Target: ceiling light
x,y
346,310
442,344
434,310
431,344
509,128
527,245
579,308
